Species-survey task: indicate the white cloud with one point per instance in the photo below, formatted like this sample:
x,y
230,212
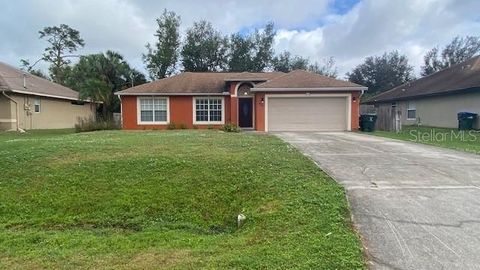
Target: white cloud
x,y
373,27
309,28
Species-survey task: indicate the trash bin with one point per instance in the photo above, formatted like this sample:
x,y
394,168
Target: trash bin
x,y
367,122
466,120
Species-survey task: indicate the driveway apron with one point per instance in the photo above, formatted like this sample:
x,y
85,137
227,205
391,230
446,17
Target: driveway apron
x,y
415,206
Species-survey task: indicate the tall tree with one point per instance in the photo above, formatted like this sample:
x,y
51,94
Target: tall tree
x,y
204,48
327,69
26,66
240,56
252,52
285,62
381,73
162,57
63,41
263,47
457,51
98,76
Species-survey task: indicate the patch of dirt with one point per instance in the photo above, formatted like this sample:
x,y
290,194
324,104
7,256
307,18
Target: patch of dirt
x,y
270,207
155,260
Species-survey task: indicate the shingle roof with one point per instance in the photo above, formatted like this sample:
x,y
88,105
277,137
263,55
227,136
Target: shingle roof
x,y
194,82
11,79
253,76
305,79
460,77
216,82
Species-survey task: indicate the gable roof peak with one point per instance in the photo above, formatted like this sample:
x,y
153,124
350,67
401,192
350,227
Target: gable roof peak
x,y
300,78
17,80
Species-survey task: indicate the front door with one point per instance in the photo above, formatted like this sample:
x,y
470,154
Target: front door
x,y
245,112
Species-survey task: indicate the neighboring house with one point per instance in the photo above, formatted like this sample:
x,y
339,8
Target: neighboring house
x,y
31,102
433,100
275,101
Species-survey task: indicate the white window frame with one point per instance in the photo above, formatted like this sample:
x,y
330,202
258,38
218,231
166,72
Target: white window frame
x,y
139,116
194,103
37,101
411,106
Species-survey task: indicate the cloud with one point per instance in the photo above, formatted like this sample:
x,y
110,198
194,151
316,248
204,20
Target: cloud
x,y
348,30
373,27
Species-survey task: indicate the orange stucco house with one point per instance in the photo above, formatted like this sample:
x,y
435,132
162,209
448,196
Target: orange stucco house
x,y
269,101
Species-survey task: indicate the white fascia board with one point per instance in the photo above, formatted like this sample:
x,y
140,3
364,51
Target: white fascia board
x,y
173,94
309,89
48,95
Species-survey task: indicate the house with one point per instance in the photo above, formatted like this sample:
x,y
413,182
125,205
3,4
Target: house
x,y
433,100
270,101
31,102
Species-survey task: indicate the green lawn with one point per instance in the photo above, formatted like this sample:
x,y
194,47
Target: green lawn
x,y
149,200
468,141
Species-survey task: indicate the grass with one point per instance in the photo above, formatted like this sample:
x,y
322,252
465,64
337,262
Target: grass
x,y
468,141
149,200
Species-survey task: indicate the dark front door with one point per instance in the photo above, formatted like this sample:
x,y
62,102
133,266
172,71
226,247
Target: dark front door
x,y
245,112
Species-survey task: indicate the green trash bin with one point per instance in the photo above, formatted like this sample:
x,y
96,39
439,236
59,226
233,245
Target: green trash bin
x,y
367,122
466,120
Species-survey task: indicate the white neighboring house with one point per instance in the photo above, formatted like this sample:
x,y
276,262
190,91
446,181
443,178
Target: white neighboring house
x,y
30,102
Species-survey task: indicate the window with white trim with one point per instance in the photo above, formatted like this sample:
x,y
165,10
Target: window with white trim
x,y
208,110
153,110
411,110
36,105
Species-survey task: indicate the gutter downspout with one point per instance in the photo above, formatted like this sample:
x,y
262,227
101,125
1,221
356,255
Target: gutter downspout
x,y
361,94
16,110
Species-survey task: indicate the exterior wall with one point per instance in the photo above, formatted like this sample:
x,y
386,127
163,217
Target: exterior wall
x,y
260,111
54,113
440,111
260,108
180,111
355,110
233,104
7,114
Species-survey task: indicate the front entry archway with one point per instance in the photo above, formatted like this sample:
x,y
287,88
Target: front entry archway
x,y
246,105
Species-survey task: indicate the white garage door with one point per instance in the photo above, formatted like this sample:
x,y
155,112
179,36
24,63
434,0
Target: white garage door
x,y
307,114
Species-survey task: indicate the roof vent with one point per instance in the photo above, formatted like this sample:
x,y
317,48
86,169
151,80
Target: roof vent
x,y
25,80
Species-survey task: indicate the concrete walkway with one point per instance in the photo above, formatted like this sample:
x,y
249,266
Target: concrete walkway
x,y
416,206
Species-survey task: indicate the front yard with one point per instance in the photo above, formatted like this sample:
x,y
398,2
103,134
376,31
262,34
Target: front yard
x,y
468,141
149,200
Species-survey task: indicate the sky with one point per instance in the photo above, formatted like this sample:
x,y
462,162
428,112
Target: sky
x,y
348,30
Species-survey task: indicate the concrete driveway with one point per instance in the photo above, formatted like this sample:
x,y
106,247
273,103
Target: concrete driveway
x,y
416,206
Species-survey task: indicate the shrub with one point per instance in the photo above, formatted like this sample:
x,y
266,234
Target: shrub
x,y
230,128
171,126
92,124
183,126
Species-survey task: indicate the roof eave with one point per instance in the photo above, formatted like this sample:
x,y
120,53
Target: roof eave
x,y
445,93
247,80
277,89
173,94
47,95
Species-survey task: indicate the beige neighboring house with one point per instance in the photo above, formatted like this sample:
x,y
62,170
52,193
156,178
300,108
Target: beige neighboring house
x,y
433,100
31,102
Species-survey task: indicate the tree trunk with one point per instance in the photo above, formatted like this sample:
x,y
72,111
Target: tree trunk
x,y
104,111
